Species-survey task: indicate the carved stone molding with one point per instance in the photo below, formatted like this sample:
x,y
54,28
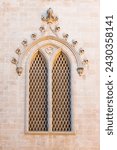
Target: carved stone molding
x,y
50,33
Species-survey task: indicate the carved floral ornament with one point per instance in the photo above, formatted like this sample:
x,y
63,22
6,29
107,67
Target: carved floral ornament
x,y
51,31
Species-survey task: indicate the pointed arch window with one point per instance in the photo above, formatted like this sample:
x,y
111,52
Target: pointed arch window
x,y
61,94
38,94
49,106
50,88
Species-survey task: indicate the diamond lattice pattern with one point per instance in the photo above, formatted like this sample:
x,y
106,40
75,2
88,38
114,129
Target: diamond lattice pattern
x,y
38,103
61,97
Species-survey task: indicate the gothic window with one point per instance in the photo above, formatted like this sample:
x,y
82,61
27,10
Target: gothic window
x,y
38,103
52,64
61,95
49,113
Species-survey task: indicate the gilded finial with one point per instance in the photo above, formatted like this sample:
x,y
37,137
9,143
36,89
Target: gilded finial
x,y
50,18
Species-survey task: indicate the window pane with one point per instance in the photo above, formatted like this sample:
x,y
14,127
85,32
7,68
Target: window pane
x,y
38,105
61,94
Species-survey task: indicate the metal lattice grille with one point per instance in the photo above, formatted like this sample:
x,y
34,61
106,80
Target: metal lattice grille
x,y
61,99
38,103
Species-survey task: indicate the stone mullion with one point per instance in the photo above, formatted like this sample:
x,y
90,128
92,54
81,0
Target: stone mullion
x,y
49,98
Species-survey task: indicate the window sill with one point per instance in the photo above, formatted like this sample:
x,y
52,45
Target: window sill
x,y
50,133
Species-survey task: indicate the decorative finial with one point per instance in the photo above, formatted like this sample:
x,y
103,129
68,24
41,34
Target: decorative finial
x,y
57,29
33,36
14,61
80,71
85,62
74,43
19,70
81,51
50,18
24,43
18,51
42,29
65,36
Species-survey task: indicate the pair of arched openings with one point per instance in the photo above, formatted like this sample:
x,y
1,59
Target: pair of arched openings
x,y
49,90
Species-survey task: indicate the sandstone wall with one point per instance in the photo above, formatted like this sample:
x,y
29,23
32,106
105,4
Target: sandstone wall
x,y
18,20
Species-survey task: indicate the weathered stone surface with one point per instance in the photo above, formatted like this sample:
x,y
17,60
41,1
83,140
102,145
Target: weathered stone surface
x,y
18,20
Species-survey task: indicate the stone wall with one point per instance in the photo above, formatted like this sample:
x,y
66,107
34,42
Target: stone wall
x,y
18,20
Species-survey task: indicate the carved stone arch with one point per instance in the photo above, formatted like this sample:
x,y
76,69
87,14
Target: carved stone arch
x,y
40,46
57,42
50,34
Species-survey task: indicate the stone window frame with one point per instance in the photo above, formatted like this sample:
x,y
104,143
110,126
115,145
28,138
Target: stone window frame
x,y
69,52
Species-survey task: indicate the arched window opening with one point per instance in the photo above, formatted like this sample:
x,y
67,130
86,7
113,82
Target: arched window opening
x,y
38,95
61,94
